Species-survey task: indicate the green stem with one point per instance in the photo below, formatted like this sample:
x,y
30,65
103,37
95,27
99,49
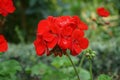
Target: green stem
x,y
81,62
90,68
73,65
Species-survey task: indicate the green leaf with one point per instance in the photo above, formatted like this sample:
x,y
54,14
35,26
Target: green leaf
x,y
55,75
104,77
9,67
40,69
8,70
84,74
63,61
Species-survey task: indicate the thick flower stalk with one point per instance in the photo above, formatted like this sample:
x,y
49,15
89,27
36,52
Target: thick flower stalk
x,y
6,7
57,34
3,44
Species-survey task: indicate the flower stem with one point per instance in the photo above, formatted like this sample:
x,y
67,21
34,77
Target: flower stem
x,y
81,62
90,68
73,65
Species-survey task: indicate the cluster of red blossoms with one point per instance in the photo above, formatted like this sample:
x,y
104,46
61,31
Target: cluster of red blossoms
x,y
57,34
101,11
3,44
6,6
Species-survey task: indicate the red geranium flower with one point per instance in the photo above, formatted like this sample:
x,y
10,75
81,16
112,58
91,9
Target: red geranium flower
x,y
3,44
57,34
6,6
102,12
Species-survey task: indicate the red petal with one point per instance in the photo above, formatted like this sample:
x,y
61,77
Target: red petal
x,y
52,22
63,21
54,28
43,27
67,31
82,26
3,44
53,43
65,43
83,43
48,36
77,49
77,34
76,19
4,13
73,53
39,47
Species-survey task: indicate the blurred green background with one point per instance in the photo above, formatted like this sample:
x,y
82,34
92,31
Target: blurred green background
x,y
20,61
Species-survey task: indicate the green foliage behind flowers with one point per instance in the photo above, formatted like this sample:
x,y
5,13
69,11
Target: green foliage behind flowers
x,y
59,62
104,77
45,67
41,67
9,69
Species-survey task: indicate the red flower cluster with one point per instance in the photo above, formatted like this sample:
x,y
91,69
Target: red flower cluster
x,y
103,12
57,34
6,6
3,44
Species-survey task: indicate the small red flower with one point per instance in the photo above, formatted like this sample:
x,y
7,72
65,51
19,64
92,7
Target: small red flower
x,y
57,34
6,6
103,12
3,44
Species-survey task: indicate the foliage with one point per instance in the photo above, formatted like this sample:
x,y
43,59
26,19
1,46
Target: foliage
x,y
104,77
8,70
63,62
38,67
45,67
